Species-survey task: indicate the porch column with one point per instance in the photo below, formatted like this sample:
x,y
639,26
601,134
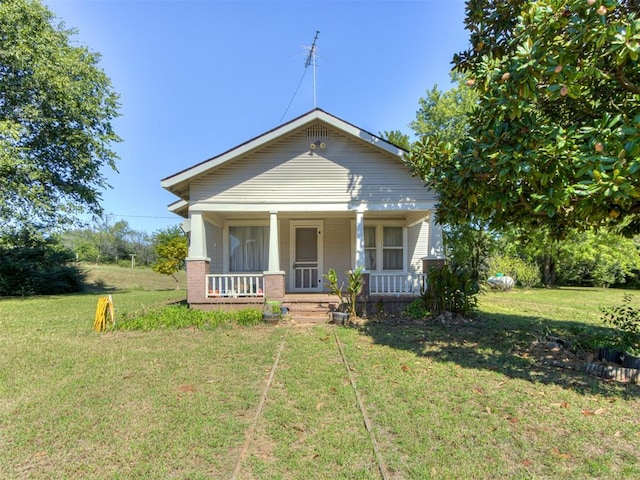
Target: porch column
x,y
274,243
274,287
360,260
360,256
435,256
197,238
197,261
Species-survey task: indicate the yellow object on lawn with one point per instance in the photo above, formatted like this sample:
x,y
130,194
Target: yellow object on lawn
x,y
105,307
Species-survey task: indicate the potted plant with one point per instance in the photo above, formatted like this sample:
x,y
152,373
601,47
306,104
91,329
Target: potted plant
x,y
272,311
347,303
626,319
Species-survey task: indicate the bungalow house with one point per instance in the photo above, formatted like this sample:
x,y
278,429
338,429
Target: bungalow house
x,y
270,217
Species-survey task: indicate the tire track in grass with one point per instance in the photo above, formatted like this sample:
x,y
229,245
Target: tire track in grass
x,y
365,417
250,433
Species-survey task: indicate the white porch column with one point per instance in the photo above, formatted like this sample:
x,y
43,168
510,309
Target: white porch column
x,y
198,239
436,246
360,256
274,244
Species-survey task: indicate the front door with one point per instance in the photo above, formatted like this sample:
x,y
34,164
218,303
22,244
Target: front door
x,y
306,271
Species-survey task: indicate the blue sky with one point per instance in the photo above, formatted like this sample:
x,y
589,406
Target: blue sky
x,y
197,78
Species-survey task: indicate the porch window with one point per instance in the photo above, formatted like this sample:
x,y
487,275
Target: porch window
x,y
384,247
248,248
392,248
370,251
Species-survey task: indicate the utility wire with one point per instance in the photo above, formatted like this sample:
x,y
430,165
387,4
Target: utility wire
x,y
294,94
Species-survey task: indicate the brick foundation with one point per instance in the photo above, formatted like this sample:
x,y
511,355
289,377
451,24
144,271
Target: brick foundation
x,y
274,286
196,271
429,263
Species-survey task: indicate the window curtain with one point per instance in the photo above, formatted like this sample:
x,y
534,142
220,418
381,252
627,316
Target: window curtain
x,y
392,248
370,248
249,249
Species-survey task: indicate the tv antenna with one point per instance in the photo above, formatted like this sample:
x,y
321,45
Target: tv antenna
x,y
311,60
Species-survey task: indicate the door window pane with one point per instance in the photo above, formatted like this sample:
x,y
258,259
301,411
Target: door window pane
x,y
306,245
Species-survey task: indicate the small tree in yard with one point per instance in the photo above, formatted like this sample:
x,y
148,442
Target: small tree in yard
x,y
171,248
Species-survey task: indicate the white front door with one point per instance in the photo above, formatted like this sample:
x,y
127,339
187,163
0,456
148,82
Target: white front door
x,y
306,264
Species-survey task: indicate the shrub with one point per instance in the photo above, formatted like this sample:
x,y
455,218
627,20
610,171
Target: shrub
x,y
416,309
181,316
450,291
31,265
349,302
626,319
525,274
248,316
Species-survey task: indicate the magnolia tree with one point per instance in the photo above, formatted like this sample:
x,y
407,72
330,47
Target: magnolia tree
x,y
554,139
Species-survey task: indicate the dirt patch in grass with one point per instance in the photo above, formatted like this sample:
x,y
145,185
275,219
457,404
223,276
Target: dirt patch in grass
x,y
556,353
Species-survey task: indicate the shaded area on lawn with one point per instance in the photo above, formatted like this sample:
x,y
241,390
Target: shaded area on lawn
x,y
496,342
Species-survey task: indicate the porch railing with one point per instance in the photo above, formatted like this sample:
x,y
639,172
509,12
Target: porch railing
x,y
396,284
235,285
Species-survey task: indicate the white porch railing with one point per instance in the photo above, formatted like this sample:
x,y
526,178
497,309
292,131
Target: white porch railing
x,y
235,285
396,284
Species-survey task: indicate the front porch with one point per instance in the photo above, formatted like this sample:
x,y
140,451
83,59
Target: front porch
x,y
243,259
381,292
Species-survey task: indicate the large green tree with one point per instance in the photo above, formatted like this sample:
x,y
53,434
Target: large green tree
x,y
56,109
600,259
396,137
444,114
554,141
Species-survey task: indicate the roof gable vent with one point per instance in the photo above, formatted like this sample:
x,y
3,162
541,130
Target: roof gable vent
x,y
317,131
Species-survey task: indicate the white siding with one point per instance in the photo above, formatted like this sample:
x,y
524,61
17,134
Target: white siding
x,y
337,246
214,247
289,172
285,248
418,245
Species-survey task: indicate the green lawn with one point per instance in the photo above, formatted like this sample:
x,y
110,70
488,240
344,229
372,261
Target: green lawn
x,y
444,401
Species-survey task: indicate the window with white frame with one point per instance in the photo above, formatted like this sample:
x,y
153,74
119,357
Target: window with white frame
x,y
370,251
392,248
248,248
384,247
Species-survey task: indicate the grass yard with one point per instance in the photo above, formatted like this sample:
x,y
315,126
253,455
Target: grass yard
x,y
105,277
466,400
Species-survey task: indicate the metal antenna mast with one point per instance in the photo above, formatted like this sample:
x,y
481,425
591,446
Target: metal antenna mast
x,y
311,60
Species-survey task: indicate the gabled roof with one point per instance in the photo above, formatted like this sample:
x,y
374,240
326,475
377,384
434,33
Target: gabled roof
x,y
178,182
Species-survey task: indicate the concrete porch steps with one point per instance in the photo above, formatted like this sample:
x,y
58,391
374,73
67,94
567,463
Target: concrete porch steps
x,y
309,308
